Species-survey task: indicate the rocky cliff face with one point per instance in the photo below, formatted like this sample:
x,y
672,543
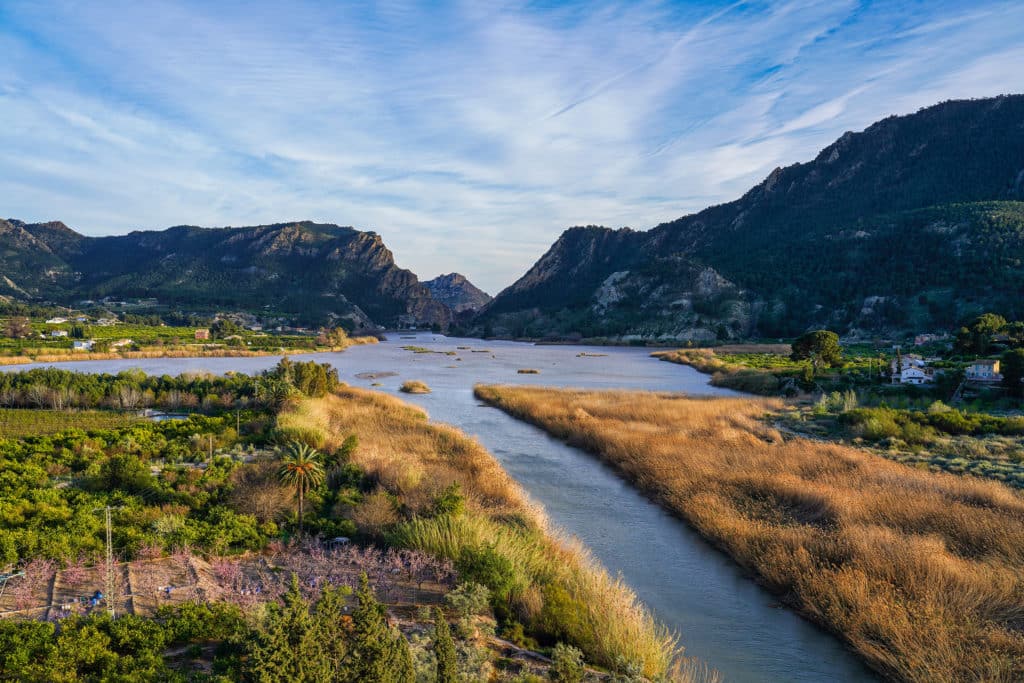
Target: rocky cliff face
x,y
923,213
457,293
313,271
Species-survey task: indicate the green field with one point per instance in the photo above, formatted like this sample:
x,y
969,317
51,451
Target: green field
x,y
20,422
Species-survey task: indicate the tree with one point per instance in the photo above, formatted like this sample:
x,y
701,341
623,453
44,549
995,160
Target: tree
x,y
18,327
224,328
378,652
976,338
1012,368
290,644
301,468
444,650
821,347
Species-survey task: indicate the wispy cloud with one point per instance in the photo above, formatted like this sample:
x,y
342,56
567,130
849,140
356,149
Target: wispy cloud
x,y
468,134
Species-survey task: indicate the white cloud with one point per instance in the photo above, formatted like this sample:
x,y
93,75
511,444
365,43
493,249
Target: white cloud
x,y
468,135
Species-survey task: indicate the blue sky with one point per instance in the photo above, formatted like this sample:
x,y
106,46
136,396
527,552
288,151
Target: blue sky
x,y
468,134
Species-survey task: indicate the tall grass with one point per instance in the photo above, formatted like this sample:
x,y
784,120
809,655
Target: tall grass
x,y
724,374
922,573
555,579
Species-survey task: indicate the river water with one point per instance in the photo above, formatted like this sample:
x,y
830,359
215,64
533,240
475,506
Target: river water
x,y
722,616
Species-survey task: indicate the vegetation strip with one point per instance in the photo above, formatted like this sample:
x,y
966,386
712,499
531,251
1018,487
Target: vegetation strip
x,y
922,573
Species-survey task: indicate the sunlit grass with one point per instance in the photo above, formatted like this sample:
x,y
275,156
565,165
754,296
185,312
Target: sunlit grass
x,y
922,573
415,460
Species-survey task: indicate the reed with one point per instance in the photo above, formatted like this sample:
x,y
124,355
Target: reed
x,y
921,573
414,386
556,580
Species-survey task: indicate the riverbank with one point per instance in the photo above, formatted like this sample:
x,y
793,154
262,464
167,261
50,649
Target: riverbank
x,y
552,588
920,573
186,351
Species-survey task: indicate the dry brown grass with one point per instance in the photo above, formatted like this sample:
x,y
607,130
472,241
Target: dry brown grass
x,y
922,573
415,461
414,386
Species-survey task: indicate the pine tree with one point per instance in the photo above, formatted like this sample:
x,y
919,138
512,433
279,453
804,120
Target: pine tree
x,y
378,652
284,646
444,650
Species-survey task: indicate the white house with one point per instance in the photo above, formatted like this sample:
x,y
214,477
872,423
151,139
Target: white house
x,y
82,345
915,375
911,369
984,370
120,343
56,321
59,333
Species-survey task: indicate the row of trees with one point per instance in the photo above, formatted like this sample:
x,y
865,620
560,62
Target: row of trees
x,y
134,389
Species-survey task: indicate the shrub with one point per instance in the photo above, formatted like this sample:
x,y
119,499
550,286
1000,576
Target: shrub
x,y
566,664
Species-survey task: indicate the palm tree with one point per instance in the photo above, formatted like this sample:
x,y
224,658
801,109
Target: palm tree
x,y
301,468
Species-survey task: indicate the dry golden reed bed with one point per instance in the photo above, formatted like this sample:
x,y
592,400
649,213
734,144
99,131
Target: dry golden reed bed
x,y
922,573
559,586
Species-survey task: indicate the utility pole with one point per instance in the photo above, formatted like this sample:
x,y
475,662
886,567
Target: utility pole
x,y
110,566
111,582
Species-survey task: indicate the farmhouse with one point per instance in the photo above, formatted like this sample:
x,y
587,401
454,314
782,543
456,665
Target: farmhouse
x,y
59,333
82,345
911,369
984,370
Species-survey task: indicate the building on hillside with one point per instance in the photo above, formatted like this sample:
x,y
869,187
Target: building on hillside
x,y
82,345
120,343
202,334
984,370
911,369
915,375
56,321
59,333
922,339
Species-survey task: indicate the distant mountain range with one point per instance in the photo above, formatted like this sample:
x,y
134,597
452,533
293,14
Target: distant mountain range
x,y
316,272
911,224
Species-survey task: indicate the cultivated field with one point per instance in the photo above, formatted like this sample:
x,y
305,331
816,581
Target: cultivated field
x,y
922,573
19,422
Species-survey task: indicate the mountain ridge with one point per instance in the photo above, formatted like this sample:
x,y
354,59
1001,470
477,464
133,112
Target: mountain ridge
x,y
803,247
317,271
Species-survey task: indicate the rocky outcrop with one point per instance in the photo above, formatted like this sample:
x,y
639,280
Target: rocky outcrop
x,y
457,293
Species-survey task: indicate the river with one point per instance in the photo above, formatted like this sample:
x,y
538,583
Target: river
x,y
723,617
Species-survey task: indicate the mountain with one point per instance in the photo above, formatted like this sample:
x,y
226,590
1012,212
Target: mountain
x,y
911,224
312,271
457,293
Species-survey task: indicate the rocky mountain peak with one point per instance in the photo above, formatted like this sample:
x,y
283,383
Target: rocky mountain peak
x,y
457,292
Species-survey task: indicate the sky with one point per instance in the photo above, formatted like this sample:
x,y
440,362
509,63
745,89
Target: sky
x,y
468,134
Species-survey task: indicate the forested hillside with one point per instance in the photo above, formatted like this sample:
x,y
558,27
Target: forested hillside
x,y
913,223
